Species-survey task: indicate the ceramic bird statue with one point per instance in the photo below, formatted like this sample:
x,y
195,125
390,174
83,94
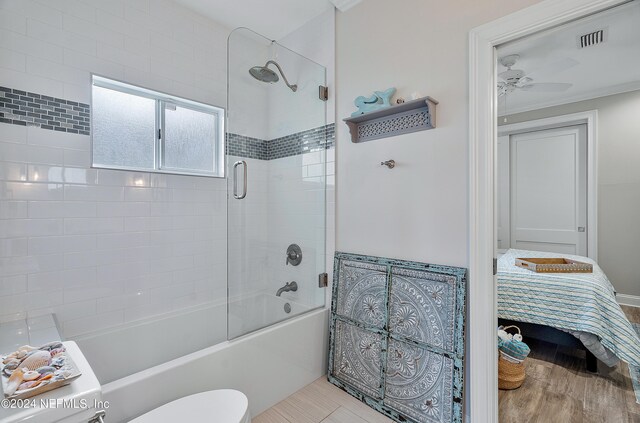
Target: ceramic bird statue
x,y
385,96
379,100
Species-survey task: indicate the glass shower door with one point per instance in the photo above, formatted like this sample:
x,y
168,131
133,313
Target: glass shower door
x,y
276,170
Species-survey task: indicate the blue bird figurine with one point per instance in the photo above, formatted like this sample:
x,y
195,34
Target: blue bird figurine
x,y
379,100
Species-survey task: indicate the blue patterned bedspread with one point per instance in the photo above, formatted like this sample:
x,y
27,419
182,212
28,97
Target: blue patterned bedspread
x,y
582,302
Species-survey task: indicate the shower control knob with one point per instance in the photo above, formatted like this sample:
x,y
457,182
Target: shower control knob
x,y
294,255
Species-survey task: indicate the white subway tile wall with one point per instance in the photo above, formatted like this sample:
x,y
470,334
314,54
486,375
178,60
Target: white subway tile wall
x,y
100,248
51,47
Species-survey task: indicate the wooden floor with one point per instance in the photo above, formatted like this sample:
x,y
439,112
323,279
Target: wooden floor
x,y
558,388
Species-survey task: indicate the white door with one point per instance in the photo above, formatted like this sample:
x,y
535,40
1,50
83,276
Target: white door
x,y
502,188
548,187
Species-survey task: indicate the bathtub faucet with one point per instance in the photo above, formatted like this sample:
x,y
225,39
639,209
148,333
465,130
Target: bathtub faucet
x,y
291,286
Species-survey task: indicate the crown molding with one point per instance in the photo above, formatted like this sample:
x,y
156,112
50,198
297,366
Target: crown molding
x,y
344,5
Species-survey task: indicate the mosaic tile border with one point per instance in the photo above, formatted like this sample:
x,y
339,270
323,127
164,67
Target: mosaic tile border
x,y
246,147
456,356
24,108
18,107
315,139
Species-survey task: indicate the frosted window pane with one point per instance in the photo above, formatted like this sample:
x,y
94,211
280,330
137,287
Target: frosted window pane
x,y
123,129
189,140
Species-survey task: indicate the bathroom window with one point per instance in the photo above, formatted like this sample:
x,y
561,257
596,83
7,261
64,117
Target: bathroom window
x,y
135,128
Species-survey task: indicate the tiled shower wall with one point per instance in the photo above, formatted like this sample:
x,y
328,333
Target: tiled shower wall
x,y
297,214
99,247
19,107
285,204
303,142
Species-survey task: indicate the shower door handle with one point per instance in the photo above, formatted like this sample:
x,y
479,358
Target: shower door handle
x,y
235,180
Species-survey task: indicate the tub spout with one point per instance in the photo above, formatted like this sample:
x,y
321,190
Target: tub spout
x,y
291,286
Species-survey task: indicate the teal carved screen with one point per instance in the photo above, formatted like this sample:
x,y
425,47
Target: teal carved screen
x,y
397,336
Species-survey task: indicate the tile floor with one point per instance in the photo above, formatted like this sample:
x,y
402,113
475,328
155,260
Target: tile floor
x,y
556,375
320,402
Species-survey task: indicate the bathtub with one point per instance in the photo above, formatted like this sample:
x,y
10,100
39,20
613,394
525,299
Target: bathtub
x,y
258,311
145,365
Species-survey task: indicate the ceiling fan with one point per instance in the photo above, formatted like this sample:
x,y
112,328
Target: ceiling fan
x,y
517,79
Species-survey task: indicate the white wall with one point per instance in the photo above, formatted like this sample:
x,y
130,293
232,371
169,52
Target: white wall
x,y
618,182
418,210
98,247
315,40
248,104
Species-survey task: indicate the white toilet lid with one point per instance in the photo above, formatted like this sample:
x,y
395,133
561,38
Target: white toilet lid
x,y
220,406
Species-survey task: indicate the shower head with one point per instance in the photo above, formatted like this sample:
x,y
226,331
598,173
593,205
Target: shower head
x,y
264,74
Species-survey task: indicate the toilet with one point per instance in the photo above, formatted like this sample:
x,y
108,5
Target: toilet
x,y
220,406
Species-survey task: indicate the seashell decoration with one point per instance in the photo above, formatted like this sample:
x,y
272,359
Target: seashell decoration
x,y
30,375
45,376
19,354
51,346
62,372
10,366
28,370
28,385
36,359
46,369
58,361
56,351
27,348
14,381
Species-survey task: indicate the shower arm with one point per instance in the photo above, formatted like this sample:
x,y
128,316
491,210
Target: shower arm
x,y
293,87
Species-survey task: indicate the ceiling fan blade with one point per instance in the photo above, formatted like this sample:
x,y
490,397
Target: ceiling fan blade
x,y
554,67
549,87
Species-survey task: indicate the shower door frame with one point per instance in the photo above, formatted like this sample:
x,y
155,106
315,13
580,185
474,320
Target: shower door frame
x,y
230,173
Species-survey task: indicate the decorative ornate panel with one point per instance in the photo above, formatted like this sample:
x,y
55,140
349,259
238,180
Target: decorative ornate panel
x,y
397,336
423,307
358,358
418,382
362,293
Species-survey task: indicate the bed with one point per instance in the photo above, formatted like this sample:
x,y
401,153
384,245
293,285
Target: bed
x,y
566,307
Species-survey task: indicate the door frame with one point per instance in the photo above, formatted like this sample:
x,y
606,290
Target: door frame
x,y
589,118
482,402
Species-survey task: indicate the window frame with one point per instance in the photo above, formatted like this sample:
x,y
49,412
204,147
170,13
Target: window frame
x,y
161,100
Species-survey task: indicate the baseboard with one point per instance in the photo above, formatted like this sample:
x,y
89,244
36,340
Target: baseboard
x,y
629,300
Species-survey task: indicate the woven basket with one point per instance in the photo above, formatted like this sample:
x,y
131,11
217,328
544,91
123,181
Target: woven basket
x,y
510,375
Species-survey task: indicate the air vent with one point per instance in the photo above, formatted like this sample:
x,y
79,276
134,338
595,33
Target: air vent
x,y
591,39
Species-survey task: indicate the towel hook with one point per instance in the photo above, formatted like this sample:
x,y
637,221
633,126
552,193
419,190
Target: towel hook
x,y
389,163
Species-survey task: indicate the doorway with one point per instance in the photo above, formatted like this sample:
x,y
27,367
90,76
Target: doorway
x,y
482,161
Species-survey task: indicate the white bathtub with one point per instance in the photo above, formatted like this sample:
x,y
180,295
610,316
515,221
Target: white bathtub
x,y
116,353
258,311
144,366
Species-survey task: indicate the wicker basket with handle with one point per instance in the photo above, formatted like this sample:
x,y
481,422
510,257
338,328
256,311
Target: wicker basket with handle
x,y
510,375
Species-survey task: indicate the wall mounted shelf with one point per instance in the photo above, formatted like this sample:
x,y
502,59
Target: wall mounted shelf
x,y
412,116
